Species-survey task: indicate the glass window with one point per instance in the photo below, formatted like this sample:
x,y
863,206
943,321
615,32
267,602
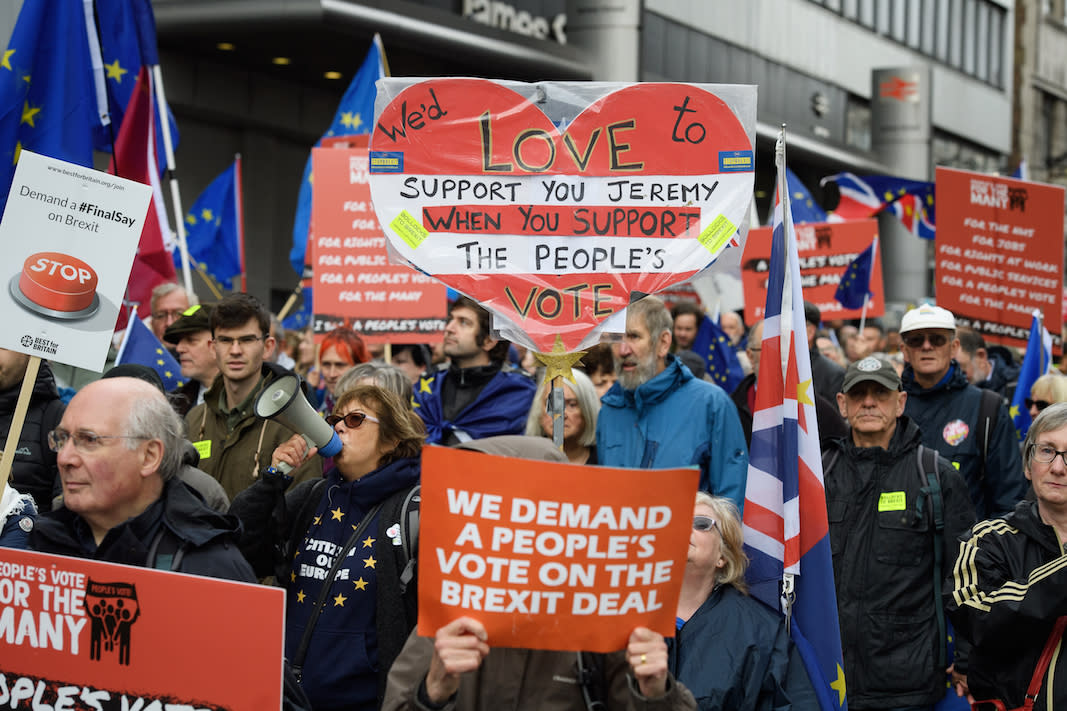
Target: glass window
x,y
867,13
970,34
897,20
858,124
914,19
955,32
941,30
850,9
982,44
996,46
928,15
882,18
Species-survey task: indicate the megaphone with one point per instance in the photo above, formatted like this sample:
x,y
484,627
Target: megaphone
x,y
284,402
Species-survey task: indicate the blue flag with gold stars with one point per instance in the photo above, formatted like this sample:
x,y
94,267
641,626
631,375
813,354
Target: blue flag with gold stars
x,y
1036,362
713,345
355,115
47,98
143,348
855,283
212,230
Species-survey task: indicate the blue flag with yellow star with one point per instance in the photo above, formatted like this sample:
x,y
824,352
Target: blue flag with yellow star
x,y
143,348
855,284
355,115
1036,362
713,345
47,98
212,229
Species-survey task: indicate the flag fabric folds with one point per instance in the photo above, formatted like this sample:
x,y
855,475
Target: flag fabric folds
x,y
785,523
213,229
1036,362
47,98
803,205
855,284
135,158
912,201
140,346
713,345
355,115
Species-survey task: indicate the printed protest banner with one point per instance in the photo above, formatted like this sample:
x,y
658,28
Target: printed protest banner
x,y
354,283
554,204
80,634
67,240
551,556
999,254
825,251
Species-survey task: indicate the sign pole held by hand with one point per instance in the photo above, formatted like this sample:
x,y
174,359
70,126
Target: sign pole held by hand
x,y
23,404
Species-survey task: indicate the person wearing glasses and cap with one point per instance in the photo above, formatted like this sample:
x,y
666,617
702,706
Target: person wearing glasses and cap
x,y
889,555
1006,591
335,544
970,427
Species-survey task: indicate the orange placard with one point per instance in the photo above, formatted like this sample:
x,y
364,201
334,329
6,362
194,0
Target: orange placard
x,y
549,555
999,254
78,634
825,251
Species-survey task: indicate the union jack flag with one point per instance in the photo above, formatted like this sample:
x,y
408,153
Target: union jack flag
x,y
786,529
912,201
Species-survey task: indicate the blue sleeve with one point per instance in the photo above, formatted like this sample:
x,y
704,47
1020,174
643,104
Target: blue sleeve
x,y
724,469
1005,483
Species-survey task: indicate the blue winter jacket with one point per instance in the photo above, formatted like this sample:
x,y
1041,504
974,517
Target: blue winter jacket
x,y
675,420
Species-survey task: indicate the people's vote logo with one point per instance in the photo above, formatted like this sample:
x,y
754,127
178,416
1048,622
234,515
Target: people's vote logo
x,y
112,608
955,432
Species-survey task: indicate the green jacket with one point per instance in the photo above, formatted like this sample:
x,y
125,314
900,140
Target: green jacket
x,y
236,458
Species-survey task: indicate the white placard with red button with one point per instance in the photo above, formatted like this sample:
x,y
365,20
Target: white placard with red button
x,y
67,242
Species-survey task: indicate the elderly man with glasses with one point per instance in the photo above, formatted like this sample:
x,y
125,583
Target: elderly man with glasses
x,y
970,427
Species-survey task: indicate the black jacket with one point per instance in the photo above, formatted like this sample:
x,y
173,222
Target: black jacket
x,y
947,416
826,374
34,470
882,539
178,520
831,424
1004,594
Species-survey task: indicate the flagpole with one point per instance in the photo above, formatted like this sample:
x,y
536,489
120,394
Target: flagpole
x,y
870,277
175,194
126,334
239,208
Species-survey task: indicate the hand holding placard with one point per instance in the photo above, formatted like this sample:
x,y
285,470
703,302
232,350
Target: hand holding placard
x,y
459,647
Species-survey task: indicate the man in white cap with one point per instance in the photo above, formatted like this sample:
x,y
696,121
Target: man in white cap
x,y
972,430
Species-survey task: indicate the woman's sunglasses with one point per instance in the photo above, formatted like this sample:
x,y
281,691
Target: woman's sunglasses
x,y
1039,404
352,420
703,523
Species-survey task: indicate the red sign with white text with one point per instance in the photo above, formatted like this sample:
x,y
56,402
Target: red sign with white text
x,y
999,254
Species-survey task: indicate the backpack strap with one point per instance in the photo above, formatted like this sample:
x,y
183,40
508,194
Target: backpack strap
x,y
829,457
301,524
988,407
167,551
928,474
590,671
409,535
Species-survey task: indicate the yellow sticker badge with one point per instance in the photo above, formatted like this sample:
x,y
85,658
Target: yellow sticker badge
x,y
203,448
892,501
717,233
409,229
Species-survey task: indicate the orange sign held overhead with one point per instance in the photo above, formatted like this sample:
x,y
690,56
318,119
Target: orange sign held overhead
x,y
551,556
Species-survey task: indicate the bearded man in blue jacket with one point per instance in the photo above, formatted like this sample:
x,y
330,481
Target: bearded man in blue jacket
x,y
658,415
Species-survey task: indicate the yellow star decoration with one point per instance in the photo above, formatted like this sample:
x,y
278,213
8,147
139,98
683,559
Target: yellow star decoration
x,y
318,520
18,150
300,596
368,542
28,114
360,584
424,385
159,361
369,562
838,685
207,214
168,374
292,577
6,61
190,219
1014,411
351,120
337,514
159,351
115,71
339,601
559,362
802,393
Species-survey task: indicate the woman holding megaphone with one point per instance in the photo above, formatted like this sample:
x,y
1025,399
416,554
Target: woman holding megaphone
x,y
339,547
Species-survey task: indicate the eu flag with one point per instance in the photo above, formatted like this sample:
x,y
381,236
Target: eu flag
x,y
855,284
803,205
355,115
912,201
787,533
213,228
713,345
1036,362
143,348
47,101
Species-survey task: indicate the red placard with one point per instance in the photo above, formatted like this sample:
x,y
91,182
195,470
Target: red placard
x,y
354,283
825,250
551,556
999,254
79,634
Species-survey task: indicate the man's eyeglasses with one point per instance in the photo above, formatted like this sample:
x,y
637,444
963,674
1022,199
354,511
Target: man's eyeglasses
x,y
84,441
352,420
916,340
169,316
226,342
704,523
1046,454
1039,404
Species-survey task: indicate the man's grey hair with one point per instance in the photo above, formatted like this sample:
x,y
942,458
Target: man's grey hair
x,y
1053,417
168,287
152,417
654,314
383,375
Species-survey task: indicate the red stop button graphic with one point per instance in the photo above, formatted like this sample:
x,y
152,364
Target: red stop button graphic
x,y
57,282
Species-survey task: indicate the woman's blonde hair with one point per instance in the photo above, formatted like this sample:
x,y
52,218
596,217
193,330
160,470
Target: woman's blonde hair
x,y
728,522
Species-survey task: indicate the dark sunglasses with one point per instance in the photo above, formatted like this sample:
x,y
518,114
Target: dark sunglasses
x,y
352,420
1039,404
703,523
915,340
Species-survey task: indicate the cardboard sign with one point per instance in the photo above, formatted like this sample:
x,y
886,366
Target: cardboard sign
x,y
999,254
825,250
354,284
67,242
549,555
552,204
79,634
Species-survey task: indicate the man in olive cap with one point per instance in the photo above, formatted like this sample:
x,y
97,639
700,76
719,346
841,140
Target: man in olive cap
x,y
191,335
